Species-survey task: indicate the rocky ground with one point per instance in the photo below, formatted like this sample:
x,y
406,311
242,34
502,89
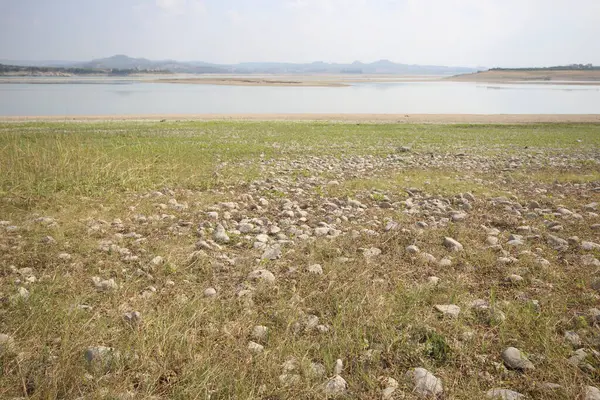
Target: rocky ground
x,y
399,274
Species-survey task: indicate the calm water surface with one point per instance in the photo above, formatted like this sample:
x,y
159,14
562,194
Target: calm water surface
x,y
124,97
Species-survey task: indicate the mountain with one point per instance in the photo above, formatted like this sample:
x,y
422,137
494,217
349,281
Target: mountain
x,y
121,61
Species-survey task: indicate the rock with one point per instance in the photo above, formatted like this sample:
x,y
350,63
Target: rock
x,y
596,285
157,261
104,285
456,217
573,338
492,240
590,246
371,252
425,383
132,317
514,279
339,367
389,387
452,244
433,280
210,292
591,393
336,386
315,269
577,357
503,394
219,235
514,359
262,275
449,310
272,253
22,293
101,357
262,238
321,231
445,262
64,256
259,332
7,344
589,260
213,215
317,370
412,249
255,347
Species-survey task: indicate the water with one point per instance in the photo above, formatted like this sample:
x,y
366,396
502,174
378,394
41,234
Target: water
x,y
124,97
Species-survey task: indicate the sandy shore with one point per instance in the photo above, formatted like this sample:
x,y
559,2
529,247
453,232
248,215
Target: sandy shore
x,y
382,118
583,77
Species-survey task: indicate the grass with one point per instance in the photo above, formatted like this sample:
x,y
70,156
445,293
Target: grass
x,y
98,182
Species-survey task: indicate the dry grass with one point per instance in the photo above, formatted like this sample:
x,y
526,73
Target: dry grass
x,y
379,311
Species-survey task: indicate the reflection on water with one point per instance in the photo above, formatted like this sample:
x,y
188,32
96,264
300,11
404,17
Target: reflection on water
x,y
127,97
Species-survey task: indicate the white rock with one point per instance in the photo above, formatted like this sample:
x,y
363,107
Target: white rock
x,y
514,359
22,293
445,262
315,269
132,317
389,387
158,260
425,383
219,235
104,285
336,386
452,244
371,252
259,332
590,246
412,249
210,292
262,275
503,394
262,238
573,338
272,253
592,393
450,310
433,280
255,347
317,370
7,344
339,367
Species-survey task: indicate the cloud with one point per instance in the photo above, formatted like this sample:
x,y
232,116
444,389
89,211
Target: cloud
x,y
178,7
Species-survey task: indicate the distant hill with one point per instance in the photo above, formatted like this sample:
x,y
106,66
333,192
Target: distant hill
x,y
123,62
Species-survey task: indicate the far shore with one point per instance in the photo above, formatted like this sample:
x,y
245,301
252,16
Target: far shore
x,y
569,77
357,118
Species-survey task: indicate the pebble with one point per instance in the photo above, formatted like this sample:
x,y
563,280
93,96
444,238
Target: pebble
x,y
590,246
101,357
572,338
315,269
433,280
339,367
272,253
336,386
389,387
317,370
259,332
210,292
7,344
262,275
219,235
132,317
104,285
412,249
452,244
503,394
425,383
371,252
514,359
592,393
255,347
450,310
445,262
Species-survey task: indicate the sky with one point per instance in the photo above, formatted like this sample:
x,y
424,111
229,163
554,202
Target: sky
x,y
490,33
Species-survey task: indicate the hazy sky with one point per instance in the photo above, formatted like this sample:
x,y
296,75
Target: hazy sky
x,y
444,32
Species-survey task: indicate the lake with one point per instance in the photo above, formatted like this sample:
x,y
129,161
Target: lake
x,y
124,97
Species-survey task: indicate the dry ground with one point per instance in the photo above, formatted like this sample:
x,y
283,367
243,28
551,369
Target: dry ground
x,y
298,260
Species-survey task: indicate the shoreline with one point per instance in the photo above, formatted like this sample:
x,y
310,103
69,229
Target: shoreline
x,y
381,118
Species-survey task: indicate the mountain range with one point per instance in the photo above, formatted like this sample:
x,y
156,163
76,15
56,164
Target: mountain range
x,y
198,67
